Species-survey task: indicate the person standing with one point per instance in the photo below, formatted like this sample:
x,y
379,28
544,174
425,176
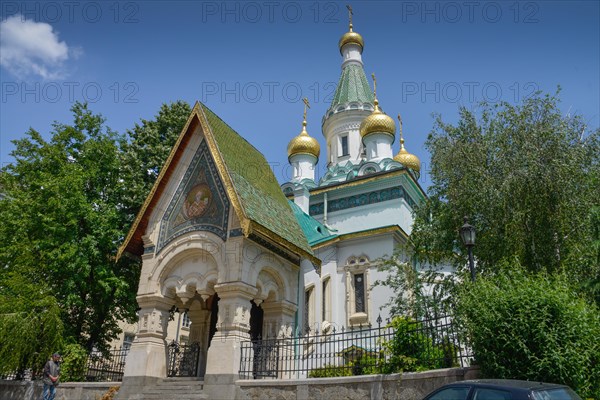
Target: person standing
x,y
50,377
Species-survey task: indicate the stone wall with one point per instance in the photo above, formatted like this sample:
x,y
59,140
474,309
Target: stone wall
x,y
27,390
407,386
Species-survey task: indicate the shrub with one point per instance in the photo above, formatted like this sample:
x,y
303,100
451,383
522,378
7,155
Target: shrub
x,y
330,371
73,367
534,327
412,349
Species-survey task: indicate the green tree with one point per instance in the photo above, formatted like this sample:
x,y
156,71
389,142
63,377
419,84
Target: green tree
x,y
62,225
528,178
532,326
31,328
421,291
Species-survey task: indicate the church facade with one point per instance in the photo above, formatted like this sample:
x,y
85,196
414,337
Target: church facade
x,y
248,258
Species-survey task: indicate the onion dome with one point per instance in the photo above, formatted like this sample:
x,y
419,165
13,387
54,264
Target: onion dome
x,y
407,159
377,121
404,157
303,143
350,36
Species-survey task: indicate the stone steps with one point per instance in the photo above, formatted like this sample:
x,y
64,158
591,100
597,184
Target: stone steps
x,y
173,389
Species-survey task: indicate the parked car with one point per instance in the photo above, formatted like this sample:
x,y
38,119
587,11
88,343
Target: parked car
x,y
502,389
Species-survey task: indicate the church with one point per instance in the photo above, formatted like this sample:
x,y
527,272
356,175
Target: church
x,y
249,258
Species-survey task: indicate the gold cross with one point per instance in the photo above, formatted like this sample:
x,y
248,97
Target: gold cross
x,y
306,104
400,121
350,13
374,84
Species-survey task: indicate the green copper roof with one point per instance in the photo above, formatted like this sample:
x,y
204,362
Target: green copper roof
x,y
258,189
314,231
352,87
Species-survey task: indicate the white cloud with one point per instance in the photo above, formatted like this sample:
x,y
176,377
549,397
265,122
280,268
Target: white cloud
x,y
29,48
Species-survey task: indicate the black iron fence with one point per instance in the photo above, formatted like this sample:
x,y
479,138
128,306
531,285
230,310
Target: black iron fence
x,y
183,359
401,345
98,367
106,367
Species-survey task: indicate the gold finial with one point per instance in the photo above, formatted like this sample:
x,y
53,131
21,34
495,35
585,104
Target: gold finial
x,y
303,143
401,136
350,13
404,157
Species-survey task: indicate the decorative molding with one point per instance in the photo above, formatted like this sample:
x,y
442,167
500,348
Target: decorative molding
x,y
373,197
236,232
149,249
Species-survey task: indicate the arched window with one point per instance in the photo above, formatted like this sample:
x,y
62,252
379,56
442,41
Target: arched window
x,y
309,309
357,284
326,300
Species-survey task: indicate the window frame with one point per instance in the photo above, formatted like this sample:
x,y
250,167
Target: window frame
x,y
344,139
308,319
357,265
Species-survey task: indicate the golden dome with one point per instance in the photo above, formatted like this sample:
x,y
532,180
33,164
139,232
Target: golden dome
x,y
351,37
408,160
304,144
377,122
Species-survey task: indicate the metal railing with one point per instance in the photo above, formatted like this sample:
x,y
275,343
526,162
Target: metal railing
x,y
98,367
183,359
402,345
106,367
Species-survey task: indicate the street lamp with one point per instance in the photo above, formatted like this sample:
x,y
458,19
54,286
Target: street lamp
x,y
467,234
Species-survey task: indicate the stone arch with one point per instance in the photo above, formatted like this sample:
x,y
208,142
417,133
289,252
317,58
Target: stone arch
x,y
266,275
193,271
194,261
270,286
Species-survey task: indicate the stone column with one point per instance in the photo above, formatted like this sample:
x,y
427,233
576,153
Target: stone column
x,y
233,327
278,323
200,319
147,359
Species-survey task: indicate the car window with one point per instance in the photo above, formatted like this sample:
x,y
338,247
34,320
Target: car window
x,y
491,394
555,394
453,393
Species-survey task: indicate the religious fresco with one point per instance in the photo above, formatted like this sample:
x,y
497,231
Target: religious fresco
x,y
199,203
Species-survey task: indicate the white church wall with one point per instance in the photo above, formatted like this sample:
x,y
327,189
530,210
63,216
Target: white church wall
x,y
371,216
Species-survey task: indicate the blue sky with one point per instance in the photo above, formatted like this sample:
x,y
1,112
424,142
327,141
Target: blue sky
x,y
252,62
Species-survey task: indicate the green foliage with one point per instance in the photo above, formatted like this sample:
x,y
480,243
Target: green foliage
x,y
69,203
368,365
528,178
330,371
62,225
412,349
31,328
73,367
420,292
532,326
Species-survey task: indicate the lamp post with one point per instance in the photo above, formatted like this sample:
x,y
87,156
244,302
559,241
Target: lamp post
x,y
467,234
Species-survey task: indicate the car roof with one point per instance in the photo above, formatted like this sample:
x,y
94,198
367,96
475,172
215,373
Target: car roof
x,y
511,383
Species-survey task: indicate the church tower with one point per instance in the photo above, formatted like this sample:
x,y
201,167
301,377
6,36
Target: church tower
x,y
378,132
303,153
352,102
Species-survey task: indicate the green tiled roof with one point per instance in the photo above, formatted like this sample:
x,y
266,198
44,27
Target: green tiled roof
x,y
314,231
352,86
254,181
